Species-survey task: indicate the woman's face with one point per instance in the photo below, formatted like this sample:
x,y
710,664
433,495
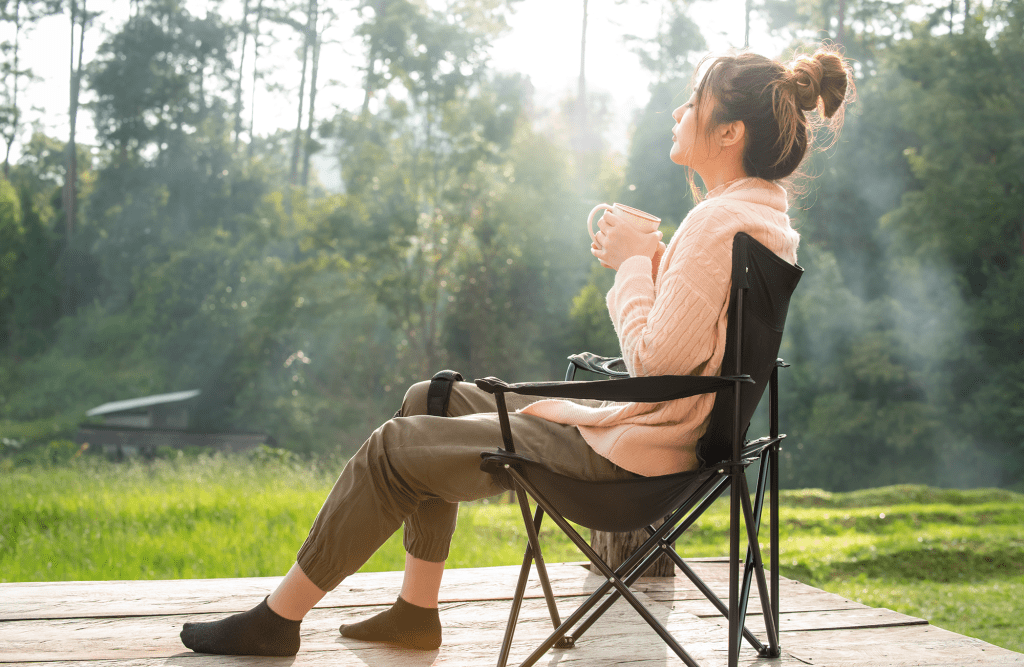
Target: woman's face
x,y
688,132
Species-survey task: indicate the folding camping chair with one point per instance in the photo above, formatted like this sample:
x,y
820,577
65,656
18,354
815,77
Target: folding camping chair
x,y
759,299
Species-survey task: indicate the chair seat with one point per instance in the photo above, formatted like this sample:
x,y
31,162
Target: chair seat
x,y
614,506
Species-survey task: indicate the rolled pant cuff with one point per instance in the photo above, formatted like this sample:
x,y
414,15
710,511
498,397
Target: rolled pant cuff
x,y
317,569
432,551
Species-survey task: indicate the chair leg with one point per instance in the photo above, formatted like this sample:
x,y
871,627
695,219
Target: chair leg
x,y
734,565
693,576
762,585
532,526
708,494
517,599
612,578
713,599
773,460
767,472
748,572
688,571
715,487
517,602
750,566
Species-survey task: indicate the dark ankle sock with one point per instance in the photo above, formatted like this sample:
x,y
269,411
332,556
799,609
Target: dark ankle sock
x,y
404,624
258,631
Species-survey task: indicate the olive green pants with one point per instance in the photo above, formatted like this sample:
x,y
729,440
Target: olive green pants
x,y
416,468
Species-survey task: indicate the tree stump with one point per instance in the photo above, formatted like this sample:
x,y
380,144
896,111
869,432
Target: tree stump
x,y
615,548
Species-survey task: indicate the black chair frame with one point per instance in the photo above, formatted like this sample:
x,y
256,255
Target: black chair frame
x,y
680,499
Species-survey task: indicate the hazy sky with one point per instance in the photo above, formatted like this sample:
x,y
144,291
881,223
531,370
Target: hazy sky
x,y
544,43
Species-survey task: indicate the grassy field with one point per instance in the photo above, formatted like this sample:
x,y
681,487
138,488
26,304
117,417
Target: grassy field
x,y
955,558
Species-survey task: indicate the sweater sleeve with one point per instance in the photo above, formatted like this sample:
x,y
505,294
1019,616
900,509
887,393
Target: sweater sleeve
x,y
672,328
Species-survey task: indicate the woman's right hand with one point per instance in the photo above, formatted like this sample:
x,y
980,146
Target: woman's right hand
x,y
617,241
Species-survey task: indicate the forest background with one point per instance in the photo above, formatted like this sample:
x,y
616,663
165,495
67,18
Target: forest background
x,y
182,252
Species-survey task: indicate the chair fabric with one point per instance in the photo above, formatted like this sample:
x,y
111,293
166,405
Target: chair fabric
x,y
768,282
598,505
762,284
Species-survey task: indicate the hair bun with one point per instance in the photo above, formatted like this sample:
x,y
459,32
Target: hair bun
x,y
821,75
806,78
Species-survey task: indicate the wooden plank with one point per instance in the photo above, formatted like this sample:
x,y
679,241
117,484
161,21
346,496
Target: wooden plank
x,y
473,633
603,652
843,619
103,599
103,638
818,628
902,646
793,596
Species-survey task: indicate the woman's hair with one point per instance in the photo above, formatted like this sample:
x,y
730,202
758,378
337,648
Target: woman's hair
x,y
770,98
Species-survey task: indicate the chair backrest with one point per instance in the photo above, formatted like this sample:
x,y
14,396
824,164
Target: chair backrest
x,y
767,282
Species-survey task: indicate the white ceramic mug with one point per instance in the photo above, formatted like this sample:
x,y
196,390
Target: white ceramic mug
x,y
645,222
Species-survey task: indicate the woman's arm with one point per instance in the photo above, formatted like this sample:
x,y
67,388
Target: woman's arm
x,y
673,329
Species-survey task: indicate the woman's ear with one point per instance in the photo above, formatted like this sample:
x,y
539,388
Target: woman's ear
x,y
729,134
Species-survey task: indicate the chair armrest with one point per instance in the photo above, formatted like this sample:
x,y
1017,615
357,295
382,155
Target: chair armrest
x,y
610,366
655,389
493,461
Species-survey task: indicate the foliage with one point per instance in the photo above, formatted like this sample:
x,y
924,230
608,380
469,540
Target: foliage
x,y
456,239
903,347
964,213
12,235
668,55
592,329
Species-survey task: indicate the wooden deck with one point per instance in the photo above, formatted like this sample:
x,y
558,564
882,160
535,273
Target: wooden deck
x,y
136,624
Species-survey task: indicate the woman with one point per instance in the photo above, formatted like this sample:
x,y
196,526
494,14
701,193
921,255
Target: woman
x,y
742,130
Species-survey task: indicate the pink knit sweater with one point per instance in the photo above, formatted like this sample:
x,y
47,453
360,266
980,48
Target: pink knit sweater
x,y
676,326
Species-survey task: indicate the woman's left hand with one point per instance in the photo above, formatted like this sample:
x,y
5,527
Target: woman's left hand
x,y
617,241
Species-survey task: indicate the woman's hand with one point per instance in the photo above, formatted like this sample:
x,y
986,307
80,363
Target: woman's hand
x,y
617,241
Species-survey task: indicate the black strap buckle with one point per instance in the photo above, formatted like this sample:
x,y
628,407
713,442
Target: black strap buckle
x,y
440,391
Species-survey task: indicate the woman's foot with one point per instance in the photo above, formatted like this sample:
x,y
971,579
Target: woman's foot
x,y
258,631
403,624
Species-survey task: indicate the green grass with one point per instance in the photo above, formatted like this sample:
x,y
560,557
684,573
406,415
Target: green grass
x,y
205,518
953,557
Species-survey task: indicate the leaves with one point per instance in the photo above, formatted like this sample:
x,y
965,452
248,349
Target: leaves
x,y
457,237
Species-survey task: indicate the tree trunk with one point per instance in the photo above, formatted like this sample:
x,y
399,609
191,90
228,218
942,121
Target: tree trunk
x,y
241,68
255,77
841,23
615,548
69,195
581,109
371,61
297,139
315,36
746,24
581,91
14,103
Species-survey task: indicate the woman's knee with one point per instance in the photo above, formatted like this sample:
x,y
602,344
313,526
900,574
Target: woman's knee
x,y
415,401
